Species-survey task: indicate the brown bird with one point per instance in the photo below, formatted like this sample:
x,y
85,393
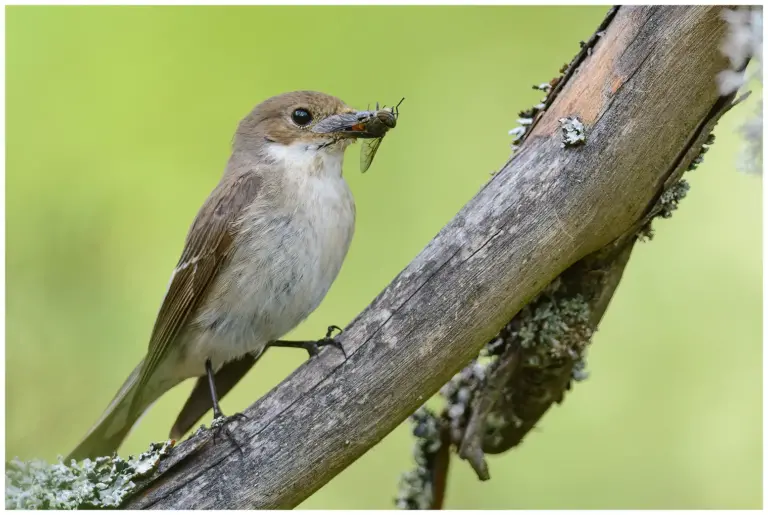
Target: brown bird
x,y
260,256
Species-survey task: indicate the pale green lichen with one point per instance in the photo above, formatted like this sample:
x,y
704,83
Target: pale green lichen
x,y
669,200
552,334
526,118
458,394
552,330
742,44
415,489
573,132
102,483
554,327
668,203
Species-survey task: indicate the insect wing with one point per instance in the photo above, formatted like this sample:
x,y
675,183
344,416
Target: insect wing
x,y
370,147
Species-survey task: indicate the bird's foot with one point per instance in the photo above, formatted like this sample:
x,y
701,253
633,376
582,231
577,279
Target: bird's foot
x,y
329,340
313,347
220,424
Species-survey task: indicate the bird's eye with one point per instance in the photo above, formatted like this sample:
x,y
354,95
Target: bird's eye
x,y
301,117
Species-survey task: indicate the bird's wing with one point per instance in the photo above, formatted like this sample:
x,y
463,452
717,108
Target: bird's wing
x,y
209,242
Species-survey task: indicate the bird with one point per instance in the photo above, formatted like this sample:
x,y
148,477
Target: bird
x,y
259,257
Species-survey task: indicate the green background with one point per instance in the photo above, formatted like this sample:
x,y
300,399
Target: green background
x,y
119,121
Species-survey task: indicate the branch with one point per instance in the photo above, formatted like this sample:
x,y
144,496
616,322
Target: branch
x,y
645,93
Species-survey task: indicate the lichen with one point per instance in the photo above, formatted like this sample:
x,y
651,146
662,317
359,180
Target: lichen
x,y
552,334
415,490
458,394
744,42
704,149
670,199
573,132
554,325
105,482
526,118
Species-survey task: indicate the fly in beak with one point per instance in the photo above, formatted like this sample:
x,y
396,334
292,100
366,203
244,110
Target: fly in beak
x,y
354,125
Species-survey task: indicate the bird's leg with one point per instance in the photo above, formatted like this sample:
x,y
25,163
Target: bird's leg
x,y
313,347
219,420
212,385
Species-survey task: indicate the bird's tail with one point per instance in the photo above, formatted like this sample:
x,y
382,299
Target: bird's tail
x,y
117,420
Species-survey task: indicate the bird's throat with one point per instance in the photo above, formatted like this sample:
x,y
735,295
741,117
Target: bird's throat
x,y
309,160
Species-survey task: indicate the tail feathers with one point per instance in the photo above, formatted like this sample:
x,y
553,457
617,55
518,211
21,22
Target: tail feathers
x,y
114,425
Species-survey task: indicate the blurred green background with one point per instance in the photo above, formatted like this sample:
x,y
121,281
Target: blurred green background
x,y
118,124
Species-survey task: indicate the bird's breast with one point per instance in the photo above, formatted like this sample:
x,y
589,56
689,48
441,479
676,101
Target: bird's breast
x,y
288,253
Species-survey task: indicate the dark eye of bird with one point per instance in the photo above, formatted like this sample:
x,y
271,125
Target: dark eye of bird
x,y
301,117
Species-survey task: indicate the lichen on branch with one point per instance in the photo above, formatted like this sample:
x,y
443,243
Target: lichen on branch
x,y
105,482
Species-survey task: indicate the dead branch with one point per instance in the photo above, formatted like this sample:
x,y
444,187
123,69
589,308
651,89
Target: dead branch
x,y
645,93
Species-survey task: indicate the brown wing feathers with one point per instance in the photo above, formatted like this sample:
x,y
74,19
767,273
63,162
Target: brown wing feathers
x,y
208,244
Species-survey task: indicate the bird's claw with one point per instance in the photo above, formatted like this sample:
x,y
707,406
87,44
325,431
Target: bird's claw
x,y
331,329
330,340
221,423
313,348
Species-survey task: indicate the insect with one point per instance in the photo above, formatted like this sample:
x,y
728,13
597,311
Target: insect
x,y
377,123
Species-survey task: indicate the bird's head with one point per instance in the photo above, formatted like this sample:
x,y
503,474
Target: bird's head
x,y
303,121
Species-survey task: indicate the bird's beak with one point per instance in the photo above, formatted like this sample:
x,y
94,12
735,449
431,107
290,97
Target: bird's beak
x,y
352,124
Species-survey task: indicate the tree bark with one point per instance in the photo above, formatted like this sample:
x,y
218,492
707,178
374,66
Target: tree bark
x,y
647,96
